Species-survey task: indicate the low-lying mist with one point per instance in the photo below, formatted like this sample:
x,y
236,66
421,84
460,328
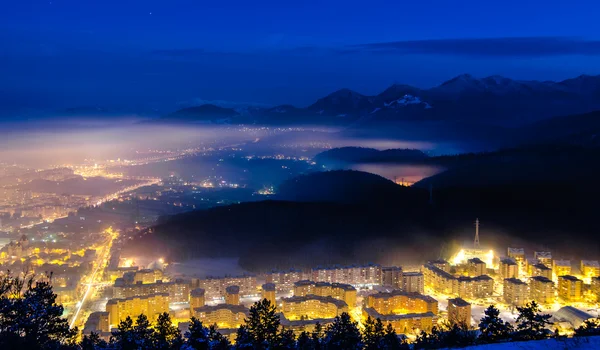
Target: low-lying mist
x,y
58,144
60,141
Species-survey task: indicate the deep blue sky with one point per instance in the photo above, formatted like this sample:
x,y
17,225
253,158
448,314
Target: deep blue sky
x,y
151,53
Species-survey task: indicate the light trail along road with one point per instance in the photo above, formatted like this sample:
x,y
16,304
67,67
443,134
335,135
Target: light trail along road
x,y
102,262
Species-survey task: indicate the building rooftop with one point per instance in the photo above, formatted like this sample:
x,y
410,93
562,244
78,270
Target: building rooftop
x,y
508,261
572,315
458,302
344,286
268,286
198,292
331,300
438,261
415,273
514,281
232,290
562,263
570,278
475,261
592,263
475,279
339,267
132,268
541,279
304,283
391,268
375,315
516,251
212,308
140,284
544,255
99,313
413,295
145,271
212,278
541,267
286,271
116,300
322,284
439,271
300,323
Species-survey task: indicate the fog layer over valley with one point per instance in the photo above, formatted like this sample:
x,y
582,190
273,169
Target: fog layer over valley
x,y
283,195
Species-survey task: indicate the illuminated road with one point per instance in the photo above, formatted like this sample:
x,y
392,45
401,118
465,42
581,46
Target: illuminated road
x,y
116,195
102,262
105,199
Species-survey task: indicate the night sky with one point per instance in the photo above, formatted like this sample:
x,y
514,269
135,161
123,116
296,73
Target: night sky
x,y
161,54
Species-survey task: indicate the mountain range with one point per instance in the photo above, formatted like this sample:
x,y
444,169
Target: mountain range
x,y
493,100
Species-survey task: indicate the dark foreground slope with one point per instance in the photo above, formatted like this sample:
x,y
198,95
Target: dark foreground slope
x,y
397,227
277,233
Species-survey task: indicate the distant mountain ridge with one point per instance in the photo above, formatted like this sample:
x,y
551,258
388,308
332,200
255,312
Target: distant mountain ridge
x,y
494,100
207,113
353,155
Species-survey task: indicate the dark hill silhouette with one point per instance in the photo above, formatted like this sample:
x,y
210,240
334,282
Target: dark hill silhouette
x,y
580,129
348,186
353,155
342,103
276,234
549,164
270,234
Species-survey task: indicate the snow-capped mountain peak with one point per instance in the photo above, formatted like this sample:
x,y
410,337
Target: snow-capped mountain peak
x,y
405,101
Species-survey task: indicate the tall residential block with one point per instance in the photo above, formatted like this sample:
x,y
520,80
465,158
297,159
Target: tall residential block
x,y
543,258
476,267
541,270
541,289
570,288
413,282
232,295
459,312
268,292
515,292
392,276
509,268
197,298
590,268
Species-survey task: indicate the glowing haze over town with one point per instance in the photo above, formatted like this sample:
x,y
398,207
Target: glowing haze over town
x,y
331,157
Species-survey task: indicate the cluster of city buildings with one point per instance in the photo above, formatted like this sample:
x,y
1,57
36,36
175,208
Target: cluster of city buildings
x,y
61,259
410,301
517,279
26,196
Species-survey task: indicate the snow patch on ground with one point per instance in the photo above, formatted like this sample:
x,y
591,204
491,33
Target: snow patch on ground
x,y
569,343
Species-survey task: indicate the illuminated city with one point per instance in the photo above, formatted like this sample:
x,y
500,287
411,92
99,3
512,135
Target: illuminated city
x,y
337,175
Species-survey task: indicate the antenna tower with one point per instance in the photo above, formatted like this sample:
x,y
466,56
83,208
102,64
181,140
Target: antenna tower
x,y
476,242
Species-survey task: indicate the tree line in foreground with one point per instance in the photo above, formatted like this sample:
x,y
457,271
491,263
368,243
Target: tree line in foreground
x,y
30,318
